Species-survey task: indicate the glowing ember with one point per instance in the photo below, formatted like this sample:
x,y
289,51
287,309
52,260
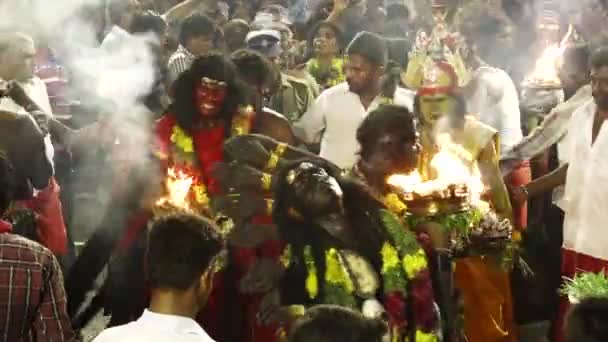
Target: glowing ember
x,y
545,69
178,186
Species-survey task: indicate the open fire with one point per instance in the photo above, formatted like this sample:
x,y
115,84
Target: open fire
x,y
454,178
545,69
178,185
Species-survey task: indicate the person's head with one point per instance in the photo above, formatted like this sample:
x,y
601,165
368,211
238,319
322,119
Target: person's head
x,y
198,34
574,70
397,11
258,72
436,96
150,22
325,39
17,53
487,34
266,42
388,141
182,253
121,12
599,78
330,323
235,32
366,57
7,183
209,89
587,321
242,9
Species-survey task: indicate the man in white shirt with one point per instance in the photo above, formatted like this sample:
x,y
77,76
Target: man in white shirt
x,y
183,253
585,246
198,35
17,51
337,113
120,13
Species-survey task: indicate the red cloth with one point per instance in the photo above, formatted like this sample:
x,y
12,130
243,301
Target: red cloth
x,y
51,227
209,147
521,175
573,263
5,227
32,297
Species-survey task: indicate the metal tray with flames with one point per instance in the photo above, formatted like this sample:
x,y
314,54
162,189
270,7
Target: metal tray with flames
x,y
452,199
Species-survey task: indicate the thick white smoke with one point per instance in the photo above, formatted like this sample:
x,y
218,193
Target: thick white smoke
x,y
112,81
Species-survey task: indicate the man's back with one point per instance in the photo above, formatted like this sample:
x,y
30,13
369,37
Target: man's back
x,y
32,298
151,327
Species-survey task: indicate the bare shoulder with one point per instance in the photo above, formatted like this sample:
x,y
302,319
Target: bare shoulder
x,y
275,125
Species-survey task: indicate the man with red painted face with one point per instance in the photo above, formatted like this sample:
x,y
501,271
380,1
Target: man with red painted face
x,y
210,106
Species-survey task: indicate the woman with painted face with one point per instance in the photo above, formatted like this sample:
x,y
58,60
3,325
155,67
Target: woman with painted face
x,y
326,63
441,109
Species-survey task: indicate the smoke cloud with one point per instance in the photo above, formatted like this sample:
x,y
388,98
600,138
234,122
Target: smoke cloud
x,y
111,82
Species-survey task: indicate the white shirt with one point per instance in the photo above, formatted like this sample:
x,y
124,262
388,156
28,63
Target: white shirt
x,y
36,90
586,196
495,102
334,119
154,327
115,38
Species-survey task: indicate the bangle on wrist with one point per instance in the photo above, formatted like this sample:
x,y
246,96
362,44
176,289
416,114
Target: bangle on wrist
x,y
524,189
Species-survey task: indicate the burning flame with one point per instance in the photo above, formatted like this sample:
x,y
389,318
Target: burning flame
x,y
545,69
453,165
178,185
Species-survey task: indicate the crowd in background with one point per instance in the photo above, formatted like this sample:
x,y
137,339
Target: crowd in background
x,y
291,58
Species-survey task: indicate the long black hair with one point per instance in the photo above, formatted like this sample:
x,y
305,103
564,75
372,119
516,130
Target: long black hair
x,y
310,46
361,210
214,66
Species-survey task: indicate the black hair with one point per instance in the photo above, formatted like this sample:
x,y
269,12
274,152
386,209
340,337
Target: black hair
x,y
312,201
480,25
117,9
148,22
599,58
197,25
313,32
7,182
180,249
329,323
397,11
253,66
384,119
578,55
215,66
587,321
370,46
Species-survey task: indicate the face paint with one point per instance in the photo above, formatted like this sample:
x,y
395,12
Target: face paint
x,y
434,107
209,96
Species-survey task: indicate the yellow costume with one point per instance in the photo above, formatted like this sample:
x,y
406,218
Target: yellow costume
x,y
484,284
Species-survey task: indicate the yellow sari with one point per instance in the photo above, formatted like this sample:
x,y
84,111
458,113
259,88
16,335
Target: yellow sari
x,y
488,311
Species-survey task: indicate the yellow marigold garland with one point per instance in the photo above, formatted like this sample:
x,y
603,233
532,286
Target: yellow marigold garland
x,y
336,272
182,140
414,263
390,257
312,281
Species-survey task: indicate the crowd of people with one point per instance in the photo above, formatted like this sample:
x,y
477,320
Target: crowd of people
x,y
259,170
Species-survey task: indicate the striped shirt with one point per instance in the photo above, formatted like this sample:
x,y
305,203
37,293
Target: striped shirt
x,y
179,62
32,297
